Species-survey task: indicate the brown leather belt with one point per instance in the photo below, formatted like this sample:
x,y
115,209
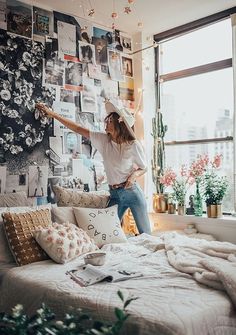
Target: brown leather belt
x,y
114,187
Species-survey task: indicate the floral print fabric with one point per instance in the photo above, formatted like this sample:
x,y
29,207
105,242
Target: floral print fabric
x,y
20,88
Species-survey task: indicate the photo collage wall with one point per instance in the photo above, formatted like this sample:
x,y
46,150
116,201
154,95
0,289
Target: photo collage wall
x,y
71,65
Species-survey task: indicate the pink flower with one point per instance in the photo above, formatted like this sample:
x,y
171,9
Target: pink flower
x,y
216,161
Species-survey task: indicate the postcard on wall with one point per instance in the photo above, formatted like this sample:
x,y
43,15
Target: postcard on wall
x,y
110,89
86,119
3,15
53,73
66,95
126,42
106,35
42,22
127,66
66,110
126,89
19,18
66,34
88,99
100,50
3,174
55,143
71,142
94,71
73,73
115,65
86,55
38,181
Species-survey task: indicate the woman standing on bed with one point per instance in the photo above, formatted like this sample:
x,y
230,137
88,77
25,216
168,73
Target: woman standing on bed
x,y
123,159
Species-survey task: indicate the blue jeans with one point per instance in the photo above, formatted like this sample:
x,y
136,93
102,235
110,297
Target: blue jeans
x,y
132,198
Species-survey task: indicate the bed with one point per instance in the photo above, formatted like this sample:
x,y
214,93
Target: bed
x,y
173,297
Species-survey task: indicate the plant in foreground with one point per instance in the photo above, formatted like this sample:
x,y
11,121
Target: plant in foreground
x,y
44,322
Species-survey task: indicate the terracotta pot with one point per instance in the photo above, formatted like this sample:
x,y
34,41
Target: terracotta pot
x,y
159,203
171,208
214,211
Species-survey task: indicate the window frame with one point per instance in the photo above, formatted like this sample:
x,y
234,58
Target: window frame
x,y
205,68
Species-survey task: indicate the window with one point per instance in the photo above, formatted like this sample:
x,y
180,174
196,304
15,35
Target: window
x,y
195,86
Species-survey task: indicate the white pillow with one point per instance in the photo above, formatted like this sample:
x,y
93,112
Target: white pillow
x,y
64,242
63,214
101,224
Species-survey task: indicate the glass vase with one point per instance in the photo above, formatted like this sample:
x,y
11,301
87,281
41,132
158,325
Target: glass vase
x,y
197,202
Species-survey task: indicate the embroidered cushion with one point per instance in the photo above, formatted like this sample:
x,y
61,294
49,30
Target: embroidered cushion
x,y
101,224
64,242
73,198
19,228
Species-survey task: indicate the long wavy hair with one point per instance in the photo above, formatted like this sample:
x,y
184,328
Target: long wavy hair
x,y
122,133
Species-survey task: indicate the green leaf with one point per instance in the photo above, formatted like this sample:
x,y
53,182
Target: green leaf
x,y
120,294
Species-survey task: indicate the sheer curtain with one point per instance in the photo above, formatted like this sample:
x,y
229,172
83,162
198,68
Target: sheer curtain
x,y
233,21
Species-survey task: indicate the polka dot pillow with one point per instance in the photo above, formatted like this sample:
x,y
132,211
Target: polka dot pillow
x,y
64,242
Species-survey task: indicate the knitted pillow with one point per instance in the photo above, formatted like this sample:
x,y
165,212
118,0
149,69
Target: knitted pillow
x,y
64,242
19,228
73,198
102,224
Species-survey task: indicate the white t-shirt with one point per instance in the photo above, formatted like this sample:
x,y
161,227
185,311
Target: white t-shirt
x,y
119,160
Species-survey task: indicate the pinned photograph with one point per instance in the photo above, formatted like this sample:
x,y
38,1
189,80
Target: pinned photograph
x,y
86,55
19,18
3,15
54,71
126,42
42,22
100,50
126,89
115,65
73,73
38,180
66,95
127,66
88,99
87,120
94,71
117,43
66,110
66,34
103,34
71,143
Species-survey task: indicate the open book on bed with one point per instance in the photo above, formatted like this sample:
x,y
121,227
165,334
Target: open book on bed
x,y
89,275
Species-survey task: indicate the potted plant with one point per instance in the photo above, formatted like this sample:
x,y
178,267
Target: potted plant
x,y
179,185
158,162
214,188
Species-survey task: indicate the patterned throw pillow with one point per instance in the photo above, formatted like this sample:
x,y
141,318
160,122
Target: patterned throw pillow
x,y
19,228
64,242
73,198
101,224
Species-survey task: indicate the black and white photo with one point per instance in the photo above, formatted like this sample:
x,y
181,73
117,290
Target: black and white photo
x,y
88,99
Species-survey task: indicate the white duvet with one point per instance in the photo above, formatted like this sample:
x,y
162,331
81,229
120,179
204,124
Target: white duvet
x,y
170,301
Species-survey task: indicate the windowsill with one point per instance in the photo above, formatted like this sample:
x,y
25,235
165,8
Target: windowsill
x,y
226,219
223,229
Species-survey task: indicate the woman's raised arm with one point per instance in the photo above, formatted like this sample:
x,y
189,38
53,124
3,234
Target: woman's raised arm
x,y
68,123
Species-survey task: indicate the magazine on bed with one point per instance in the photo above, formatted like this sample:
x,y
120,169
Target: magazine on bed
x,y
89,275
